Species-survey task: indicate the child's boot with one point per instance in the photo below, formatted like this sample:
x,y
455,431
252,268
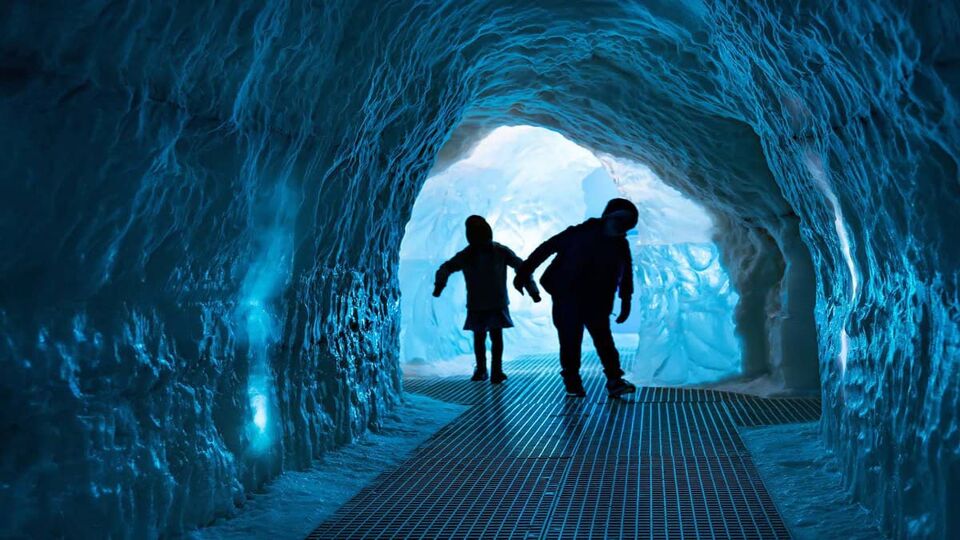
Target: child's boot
x,y
480,354
619,387
497,375
479,373
574,386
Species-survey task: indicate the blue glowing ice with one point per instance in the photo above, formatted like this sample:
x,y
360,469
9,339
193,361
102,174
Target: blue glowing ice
x,y
203,205
531,183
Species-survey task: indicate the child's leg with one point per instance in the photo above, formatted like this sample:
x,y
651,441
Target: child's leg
x,y
496,351
569,322
480,351
599,328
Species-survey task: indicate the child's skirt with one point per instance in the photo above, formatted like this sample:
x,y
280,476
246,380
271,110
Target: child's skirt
x,y
479,320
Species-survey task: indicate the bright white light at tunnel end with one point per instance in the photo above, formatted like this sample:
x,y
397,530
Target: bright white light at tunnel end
x,y
530,184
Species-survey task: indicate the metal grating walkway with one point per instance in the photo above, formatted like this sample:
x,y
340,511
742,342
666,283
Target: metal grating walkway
x,y
526,462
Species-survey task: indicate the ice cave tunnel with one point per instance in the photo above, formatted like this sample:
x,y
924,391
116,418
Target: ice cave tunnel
x,y
219,218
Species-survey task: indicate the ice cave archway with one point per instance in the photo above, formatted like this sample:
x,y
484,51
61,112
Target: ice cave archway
x,y
203,205
531,183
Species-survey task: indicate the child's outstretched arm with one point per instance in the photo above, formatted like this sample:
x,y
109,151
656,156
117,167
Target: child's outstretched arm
x,y
455,264
542,253
530,285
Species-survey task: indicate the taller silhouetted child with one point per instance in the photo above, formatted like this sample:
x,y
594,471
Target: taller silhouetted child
x,y
484,265
593,262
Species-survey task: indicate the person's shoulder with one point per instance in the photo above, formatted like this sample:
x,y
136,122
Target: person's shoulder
x,y
592,222
588,225
500,247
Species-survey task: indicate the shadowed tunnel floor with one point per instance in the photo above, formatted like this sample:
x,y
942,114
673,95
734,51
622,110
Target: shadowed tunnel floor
x,y
526,462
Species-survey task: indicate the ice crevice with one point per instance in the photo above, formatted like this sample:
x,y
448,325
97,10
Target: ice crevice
x,y
203,208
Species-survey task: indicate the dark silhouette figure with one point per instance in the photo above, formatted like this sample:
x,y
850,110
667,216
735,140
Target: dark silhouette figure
x,y
484,265
593,261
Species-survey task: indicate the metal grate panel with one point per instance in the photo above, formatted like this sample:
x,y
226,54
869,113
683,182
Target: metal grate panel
x,y
525,462
754,411
655,429
459,498
664,497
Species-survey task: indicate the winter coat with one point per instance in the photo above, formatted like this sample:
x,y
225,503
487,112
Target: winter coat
x,y
484,267
589,267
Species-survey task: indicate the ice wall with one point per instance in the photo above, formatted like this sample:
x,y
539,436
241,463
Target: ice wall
x,y
195,292
531,183
203,204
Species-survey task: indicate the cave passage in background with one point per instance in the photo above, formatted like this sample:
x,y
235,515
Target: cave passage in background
x,y
530,183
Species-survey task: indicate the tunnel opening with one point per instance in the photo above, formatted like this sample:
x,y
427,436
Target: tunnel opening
x,y
530,183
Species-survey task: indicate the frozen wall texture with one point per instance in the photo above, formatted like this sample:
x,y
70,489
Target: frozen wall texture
x,y
203,205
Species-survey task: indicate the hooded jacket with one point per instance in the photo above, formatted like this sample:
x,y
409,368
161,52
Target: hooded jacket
x,y
484,266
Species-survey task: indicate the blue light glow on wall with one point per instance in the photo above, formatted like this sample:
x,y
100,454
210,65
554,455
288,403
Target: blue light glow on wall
x,y
259,324
815,166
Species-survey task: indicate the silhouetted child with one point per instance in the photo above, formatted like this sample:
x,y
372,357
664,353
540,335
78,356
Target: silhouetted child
x,y
593,261
484,265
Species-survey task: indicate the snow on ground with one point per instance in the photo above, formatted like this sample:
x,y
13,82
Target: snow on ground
x,y
298,501
804,480
767,386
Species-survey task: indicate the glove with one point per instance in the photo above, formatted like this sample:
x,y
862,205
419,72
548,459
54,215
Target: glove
x,y
624,310
536,297
518,283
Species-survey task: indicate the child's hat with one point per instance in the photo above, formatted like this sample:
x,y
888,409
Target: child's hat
x,y
623,205
478,230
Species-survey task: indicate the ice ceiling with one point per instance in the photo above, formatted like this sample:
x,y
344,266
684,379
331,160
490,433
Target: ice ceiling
x,y
203,205
531,183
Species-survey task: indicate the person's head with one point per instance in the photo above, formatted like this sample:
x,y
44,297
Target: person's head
x,y
478,231
619,216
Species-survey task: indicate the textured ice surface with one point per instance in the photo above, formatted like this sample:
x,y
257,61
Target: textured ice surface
x,y
804,480
202,206
530,184
293,505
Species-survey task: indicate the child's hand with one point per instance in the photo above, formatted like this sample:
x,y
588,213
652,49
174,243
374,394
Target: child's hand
x,y
518,282
536,297
624,310
436,292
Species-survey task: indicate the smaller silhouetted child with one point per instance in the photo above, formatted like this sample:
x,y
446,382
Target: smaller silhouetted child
x,y
484,265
